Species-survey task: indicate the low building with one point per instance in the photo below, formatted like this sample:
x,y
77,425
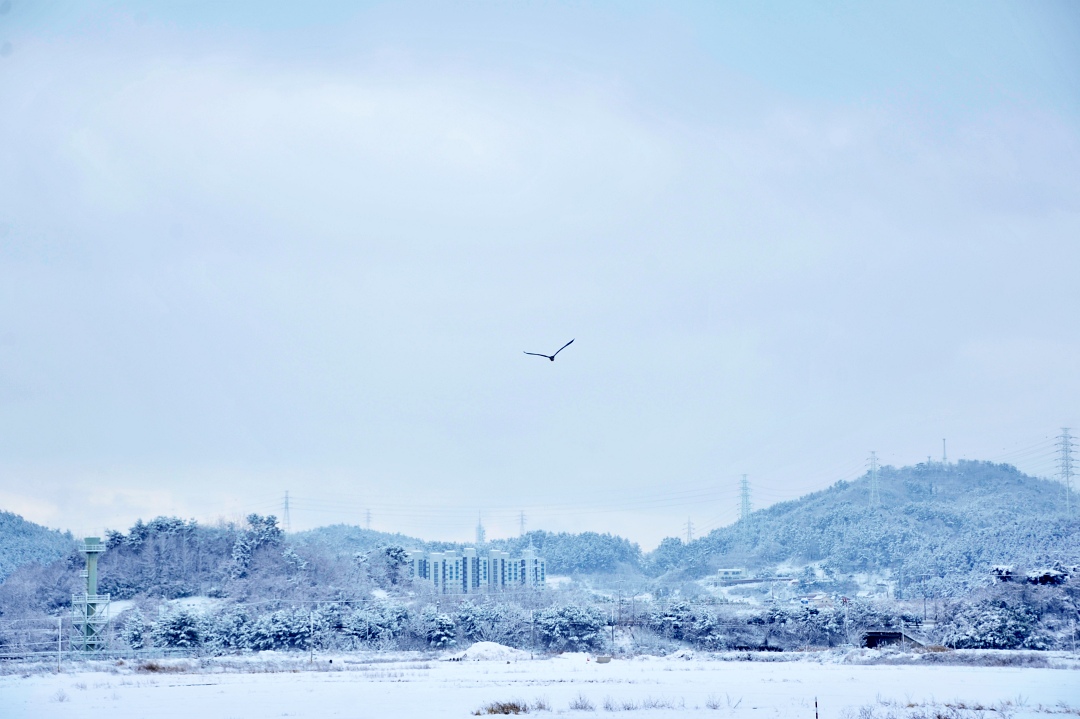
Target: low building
x,y
730,573
889,637
819,600
1046,576
477,572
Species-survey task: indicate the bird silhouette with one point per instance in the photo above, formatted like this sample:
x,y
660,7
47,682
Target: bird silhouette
x,y
551,357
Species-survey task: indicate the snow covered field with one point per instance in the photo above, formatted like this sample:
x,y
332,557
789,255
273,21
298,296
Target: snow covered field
x,y
404,686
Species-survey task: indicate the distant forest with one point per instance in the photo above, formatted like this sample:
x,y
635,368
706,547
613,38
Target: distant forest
x,y
937,530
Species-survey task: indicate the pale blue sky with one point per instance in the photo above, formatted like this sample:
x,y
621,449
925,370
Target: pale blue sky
x,y
254,248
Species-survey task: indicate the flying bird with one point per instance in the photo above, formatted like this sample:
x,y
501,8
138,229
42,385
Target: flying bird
x,y
551,357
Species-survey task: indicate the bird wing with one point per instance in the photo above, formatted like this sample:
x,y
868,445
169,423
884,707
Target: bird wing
x,y
564,347
537,354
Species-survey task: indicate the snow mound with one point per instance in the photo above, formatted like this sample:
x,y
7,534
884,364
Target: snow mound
x,y
490,651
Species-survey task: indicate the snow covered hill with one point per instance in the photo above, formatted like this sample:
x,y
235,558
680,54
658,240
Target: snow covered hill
x,y
940,526
23,542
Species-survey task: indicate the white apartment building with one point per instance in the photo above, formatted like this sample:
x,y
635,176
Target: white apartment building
x,y
473,572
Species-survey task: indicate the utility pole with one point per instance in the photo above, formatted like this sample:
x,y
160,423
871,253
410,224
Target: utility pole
x,y
285,514
1065,465
59,642
689,531
875,497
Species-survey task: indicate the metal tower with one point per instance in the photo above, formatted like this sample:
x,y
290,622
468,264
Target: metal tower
x,y
285,514
875,497
689,531
744,500
481,534
521,517
90,610
1065,466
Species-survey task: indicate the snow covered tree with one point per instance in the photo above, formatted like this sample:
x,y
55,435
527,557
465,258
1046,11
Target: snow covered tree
x,y
228,629
993,624
178,629
570,628
135,630
493,622
283,629
376,624
436,628
260,531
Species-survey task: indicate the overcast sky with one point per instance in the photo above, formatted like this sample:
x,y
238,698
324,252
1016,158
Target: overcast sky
x,y
251,248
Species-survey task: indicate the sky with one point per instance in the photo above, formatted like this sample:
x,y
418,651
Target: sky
x,y
256,248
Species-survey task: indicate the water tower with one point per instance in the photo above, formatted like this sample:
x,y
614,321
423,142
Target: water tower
x,y
90,610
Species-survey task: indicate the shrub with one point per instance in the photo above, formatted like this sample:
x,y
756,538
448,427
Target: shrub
x,y
581,703
152,666
511,707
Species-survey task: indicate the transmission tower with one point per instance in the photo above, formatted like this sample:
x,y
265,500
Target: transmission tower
x,y
285,514
1065,466
875,497
689,531
521,520
744,500
481,534
367,519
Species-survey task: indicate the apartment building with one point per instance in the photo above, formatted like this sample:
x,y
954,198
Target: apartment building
x,y
476,572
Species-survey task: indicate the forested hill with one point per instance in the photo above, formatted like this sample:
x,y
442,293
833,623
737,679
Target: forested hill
x,y
347,539
585,553
23,542
940,523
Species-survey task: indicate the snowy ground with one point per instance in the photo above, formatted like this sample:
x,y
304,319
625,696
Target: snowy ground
x,y
406,686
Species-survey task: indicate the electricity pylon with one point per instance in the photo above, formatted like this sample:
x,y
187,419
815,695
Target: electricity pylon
x,y
875,496
1065,466
744,506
